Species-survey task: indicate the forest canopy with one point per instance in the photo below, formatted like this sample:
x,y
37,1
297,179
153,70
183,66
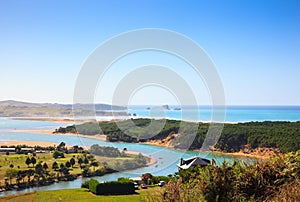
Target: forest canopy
x,y
278,134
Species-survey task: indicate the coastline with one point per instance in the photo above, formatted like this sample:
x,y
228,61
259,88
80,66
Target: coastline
x,y
72,120
26,142
167,143
48,119
241,154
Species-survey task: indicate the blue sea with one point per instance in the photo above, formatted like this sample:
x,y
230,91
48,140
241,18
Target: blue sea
x,y
231,113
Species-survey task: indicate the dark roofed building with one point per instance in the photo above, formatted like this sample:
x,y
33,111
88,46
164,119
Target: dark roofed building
x,y
192,162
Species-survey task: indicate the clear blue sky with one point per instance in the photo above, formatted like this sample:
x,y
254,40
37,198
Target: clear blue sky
x,y
255,44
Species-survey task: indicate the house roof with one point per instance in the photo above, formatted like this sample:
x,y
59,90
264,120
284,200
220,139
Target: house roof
x,y
193,161
7,149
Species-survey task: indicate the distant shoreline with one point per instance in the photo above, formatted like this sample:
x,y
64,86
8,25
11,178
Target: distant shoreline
x,y
71,120
26,142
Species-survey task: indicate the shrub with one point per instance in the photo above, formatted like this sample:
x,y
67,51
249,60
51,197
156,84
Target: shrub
x,y
93,186
85,184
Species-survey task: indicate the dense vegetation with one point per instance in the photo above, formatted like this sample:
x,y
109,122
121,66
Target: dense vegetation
x,y
128,161
277,179
105,151
282,135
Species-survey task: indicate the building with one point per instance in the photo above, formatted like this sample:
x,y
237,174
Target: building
x,y
7,149
192,162
29,149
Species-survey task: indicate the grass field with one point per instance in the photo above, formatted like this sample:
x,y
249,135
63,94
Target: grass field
x,y
18,162
78,195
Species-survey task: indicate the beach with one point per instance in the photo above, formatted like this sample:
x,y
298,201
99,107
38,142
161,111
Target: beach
x,y
26,142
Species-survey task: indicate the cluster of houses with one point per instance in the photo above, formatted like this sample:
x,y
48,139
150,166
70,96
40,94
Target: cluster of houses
x,y
25,149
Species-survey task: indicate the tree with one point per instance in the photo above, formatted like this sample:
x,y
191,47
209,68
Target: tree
x,y
58,154
39,169
94,164
146,177
11,166
29,173
33,161
68,164
72,162
45,166
61,146
11,173
85,161
62,168
55,165
28,161
80,161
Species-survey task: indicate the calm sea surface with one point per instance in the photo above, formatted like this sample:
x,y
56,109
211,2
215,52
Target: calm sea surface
x,y
232,113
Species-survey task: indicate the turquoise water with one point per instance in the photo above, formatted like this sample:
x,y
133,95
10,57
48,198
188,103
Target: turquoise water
x,y
166,158
233,113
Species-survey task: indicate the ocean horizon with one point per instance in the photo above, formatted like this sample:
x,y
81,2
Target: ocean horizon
x,y
233,113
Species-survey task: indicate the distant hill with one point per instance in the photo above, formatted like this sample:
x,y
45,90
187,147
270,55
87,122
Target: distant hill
x,y
12,108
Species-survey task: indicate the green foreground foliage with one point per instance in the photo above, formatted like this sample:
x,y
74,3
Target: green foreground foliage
x,y
277,179
279,134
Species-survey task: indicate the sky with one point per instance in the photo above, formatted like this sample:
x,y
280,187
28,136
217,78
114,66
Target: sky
x,y
254,44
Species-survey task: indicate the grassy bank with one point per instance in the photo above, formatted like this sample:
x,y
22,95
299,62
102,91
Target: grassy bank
x,y
77,195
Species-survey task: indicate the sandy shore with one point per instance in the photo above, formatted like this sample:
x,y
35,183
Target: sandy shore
x,y
151,162
59,120
27,142
259,153
99,137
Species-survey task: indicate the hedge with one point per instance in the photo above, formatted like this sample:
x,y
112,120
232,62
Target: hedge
x,y
115,187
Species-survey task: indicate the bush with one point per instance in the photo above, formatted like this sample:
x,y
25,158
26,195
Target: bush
x,y
85,184
58,154
93,185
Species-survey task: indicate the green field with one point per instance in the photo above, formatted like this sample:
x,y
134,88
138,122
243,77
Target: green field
x,y
78,195
18,162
